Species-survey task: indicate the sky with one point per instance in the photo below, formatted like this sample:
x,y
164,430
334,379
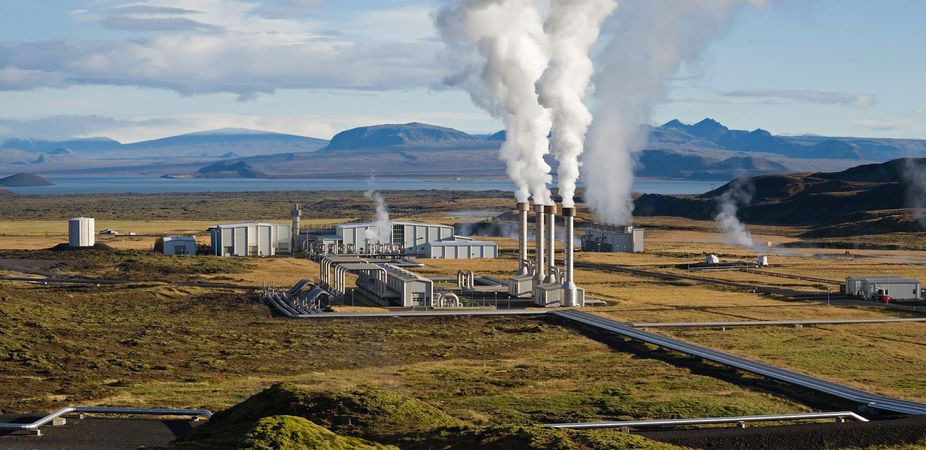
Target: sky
x,y
147,69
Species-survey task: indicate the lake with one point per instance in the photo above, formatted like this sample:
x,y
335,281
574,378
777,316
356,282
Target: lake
x,y
157,185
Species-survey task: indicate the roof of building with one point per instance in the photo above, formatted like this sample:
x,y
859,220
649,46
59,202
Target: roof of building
x,y
402,274
179,238
246,224
883,279
461,243
394,222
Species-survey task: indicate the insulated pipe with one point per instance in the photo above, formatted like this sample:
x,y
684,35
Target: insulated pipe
x,y
523,209
541,264
569,285
550,212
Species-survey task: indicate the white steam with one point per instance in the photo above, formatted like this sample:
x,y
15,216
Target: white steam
x,y
738,194
572,27
498,50
914,174
650,41
382,229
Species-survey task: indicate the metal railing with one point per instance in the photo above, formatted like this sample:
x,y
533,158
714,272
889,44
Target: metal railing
x,y
741,420
34,426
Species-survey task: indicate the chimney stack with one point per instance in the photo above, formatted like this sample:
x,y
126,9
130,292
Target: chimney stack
x,y
540,263
523,209
569,285
549,270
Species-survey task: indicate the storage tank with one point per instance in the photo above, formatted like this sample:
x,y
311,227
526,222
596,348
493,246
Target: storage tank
x,y
81,232
712,259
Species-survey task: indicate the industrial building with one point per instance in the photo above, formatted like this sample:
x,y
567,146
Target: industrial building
x,y
461,249
251,239
605,238
178,245
81,232
870,287
403,238
382,283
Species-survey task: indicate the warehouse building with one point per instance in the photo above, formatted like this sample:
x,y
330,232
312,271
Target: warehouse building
x,y
461,249
869,287
178,245
605,238
364,237
251,239
81,232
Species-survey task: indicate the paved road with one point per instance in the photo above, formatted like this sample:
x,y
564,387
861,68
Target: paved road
x,y
97,433
858,396
765,323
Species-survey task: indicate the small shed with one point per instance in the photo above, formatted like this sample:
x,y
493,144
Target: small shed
x,y
178,245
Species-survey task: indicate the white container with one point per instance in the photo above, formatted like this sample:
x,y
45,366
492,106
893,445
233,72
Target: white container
x,y
712,259
81,232
762,261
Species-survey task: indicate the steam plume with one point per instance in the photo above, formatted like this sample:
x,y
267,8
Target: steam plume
x,y
573,27
651,40
739,193
499,51
383,226
914,173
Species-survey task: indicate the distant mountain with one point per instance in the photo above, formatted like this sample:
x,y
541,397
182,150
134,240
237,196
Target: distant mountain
x,y
233,140
45,146
227,169
500,136
393,135
862,200
24,179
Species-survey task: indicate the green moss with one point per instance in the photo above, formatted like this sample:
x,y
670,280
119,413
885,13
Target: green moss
x,y
290,432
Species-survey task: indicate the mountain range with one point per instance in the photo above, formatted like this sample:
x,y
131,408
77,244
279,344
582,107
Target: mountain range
x,y
704,150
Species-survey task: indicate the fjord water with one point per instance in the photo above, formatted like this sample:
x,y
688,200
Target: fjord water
x,y
156,185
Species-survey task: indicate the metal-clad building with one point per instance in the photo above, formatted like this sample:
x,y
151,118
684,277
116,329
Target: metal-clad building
x,y
251,239
872,286
413,289
604,238
81,231
410,236
461,249
179,245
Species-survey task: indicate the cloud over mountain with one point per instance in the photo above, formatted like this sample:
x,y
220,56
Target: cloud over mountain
x,y
807,96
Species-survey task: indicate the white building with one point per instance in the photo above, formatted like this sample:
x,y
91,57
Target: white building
x,y
179,245
461,249
251,239
81,232
409,237
871,286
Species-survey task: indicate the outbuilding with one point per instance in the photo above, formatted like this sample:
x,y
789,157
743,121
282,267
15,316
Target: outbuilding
x,y
869,287
409,237
178,245
606,238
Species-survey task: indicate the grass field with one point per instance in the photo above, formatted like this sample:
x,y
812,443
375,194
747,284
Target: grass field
x,y
186,347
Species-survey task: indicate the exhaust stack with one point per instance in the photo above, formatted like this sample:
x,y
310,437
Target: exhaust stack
x,y
570,292
540,265
550,268
523,209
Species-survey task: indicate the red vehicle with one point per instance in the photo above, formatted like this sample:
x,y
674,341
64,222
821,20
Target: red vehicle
x,y
884,298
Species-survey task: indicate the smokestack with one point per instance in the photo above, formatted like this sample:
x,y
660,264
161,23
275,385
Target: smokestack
x,y
540,264
296,215
550,211
569,285
523,208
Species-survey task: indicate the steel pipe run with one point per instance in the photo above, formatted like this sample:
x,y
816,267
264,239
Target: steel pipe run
x,y
838,415
34,426
569,286
523,209
540,265
550,269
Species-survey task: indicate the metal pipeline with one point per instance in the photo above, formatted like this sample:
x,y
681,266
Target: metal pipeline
x,y
540,266
523,209
34,426
569,285
550,269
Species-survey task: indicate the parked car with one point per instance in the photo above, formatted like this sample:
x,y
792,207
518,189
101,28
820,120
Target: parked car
x,y
884,299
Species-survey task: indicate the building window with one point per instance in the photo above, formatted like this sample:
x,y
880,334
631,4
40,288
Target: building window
x,y
398,234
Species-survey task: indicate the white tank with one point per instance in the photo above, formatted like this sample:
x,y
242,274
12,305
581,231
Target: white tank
x,y
762,261
712,259
81,232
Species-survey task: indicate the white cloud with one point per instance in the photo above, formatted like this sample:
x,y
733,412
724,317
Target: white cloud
x,y
209,46
805,96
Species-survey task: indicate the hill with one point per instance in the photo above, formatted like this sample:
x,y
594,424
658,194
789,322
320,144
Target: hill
x,y
392,135
227,169
23,179
868,199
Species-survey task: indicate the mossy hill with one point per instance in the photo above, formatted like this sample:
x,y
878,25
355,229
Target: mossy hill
x,y
24,179
868,199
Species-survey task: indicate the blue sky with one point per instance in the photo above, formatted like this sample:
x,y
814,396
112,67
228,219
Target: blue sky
x,y
145,69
